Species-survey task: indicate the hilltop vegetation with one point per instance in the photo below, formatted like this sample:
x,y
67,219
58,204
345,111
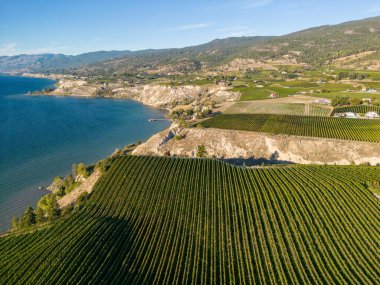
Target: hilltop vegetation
x,y
352,45
169,221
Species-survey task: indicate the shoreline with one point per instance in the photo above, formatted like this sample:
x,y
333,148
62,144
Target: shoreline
x,y
124,143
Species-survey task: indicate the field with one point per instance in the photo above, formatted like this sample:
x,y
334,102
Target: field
x,y
157,220
324,90
272,107
251,93
361,109
358,95
323,127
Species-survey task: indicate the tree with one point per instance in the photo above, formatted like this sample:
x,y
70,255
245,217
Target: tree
x,y
54,212
28,218
69,183
50,206
355,101
67,210
83,171
40,215
82,199
57,183
15,223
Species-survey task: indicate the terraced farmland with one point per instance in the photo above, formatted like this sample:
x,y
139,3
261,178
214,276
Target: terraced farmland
x,y
170,221
324,127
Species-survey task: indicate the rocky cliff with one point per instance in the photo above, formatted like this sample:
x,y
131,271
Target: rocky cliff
x,y
239,145
161,96
156,95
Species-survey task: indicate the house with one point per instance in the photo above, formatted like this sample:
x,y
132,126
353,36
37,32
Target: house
x,y
372,115
274,95
351,115
367,101
323,101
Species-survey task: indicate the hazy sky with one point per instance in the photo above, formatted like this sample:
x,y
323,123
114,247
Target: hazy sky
x,y
77,26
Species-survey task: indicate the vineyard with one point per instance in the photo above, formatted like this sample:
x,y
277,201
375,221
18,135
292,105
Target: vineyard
x,y
157,220
323,127
360,109
278,109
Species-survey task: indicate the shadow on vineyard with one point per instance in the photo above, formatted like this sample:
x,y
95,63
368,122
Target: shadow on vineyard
x,y
252,161
160,220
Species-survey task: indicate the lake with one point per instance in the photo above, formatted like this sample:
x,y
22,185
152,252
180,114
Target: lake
x,y
42,136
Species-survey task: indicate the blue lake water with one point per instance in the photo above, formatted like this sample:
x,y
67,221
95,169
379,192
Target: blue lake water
x,y
42,136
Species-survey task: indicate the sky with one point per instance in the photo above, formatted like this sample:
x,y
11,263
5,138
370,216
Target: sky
x,y
78,26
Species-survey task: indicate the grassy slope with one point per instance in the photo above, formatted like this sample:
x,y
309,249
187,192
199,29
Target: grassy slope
x,y
325,127
167,221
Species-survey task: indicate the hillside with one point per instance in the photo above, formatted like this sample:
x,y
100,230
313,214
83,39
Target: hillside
x,y
169,221
322,45
352,44
316,46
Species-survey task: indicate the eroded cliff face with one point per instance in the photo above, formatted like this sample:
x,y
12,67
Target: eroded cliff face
x,y
239,145
74,88
159,96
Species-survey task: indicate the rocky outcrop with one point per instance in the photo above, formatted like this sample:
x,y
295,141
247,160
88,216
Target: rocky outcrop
x,y
161,96
229,144
74,87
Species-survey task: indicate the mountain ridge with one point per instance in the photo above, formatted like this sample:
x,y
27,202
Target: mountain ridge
x,y
315,46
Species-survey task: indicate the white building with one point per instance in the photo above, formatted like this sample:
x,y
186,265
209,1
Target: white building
x,y
351,115
372,115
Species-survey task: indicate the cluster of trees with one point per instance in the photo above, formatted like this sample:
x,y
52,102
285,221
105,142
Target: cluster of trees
x,y
62,186
106,163
345,101
47,207
47,210
352,76
103,91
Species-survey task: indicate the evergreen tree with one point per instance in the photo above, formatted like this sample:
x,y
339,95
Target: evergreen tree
x,y
28,218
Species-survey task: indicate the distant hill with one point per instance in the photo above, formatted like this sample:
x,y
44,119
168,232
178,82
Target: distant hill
x,y
53,62
324,44
351,44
